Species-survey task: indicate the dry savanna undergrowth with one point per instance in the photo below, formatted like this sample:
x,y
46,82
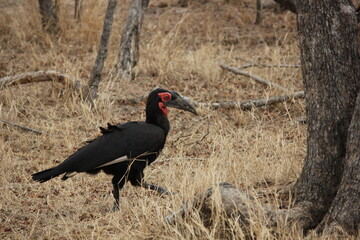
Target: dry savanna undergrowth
x,y
261,150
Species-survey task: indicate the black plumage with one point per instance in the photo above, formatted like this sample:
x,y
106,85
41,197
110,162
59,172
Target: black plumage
x,y
124,150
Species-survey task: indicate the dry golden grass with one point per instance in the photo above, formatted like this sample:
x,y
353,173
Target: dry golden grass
x,y
262,149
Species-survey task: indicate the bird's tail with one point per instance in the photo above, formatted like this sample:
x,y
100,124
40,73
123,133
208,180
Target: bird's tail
x,y
46,175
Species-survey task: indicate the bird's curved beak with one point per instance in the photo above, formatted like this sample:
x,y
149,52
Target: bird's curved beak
x,y
179,102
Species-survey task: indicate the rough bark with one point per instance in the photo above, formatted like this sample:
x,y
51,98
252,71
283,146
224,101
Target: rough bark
x,y
130,39
95,76
345,209
329,59
49,18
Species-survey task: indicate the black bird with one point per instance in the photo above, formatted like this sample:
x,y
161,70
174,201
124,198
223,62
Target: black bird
x,y
124,150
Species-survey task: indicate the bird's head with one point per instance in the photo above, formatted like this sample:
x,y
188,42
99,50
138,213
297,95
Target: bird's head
x,y
164,98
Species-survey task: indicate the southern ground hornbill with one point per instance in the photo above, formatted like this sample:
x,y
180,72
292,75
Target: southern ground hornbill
x,y
124,150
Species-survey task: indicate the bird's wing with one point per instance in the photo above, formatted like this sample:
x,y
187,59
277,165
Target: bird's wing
x,y
118,143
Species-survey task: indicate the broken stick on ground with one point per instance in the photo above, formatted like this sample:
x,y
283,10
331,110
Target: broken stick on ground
x,y
256,78
23,127
40,76
260,65
248,105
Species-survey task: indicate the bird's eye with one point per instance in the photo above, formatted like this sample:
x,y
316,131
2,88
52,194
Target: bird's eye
x,y
165,96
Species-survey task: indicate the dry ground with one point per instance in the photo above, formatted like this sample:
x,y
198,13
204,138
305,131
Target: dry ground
x,y
258,150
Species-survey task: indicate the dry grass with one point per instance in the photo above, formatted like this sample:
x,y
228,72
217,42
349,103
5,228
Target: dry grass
x,y
262,149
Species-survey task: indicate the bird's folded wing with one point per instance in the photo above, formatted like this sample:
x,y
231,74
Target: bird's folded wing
x,y
117,160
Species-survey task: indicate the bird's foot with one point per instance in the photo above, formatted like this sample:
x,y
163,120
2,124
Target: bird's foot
x,y
166,192
162,191
115,208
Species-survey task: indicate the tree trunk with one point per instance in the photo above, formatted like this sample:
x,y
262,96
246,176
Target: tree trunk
x,y
78,9
95,76
130,39
345,209
331,73
258,12
49,18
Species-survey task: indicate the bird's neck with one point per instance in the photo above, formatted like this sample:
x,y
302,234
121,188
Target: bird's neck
x,y
160,120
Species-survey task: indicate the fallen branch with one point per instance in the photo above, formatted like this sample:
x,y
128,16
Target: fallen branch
x,y
23,127
269,66
250,104
256,78
40,76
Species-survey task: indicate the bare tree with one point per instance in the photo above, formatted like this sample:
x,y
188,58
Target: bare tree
x,y
130,39
49,18
95,76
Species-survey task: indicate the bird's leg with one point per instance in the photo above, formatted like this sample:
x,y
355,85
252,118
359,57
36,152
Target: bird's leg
x,y
137,179
118,183
116,196
153,187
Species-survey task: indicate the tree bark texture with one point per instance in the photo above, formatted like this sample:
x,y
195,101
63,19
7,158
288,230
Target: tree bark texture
x,y
49,18
345,209
95,76
130,39
331,73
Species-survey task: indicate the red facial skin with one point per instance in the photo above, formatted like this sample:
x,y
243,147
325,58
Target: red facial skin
x,y
165,96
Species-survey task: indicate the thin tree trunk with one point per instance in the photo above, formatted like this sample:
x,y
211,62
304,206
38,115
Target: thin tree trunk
x,y
330,61
49,18
95,76
258,12
78,9
130,39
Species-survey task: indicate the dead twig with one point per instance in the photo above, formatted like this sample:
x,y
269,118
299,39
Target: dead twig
x,y
256,78
269,66
202,138
40,76
23,127
271,100
250,104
